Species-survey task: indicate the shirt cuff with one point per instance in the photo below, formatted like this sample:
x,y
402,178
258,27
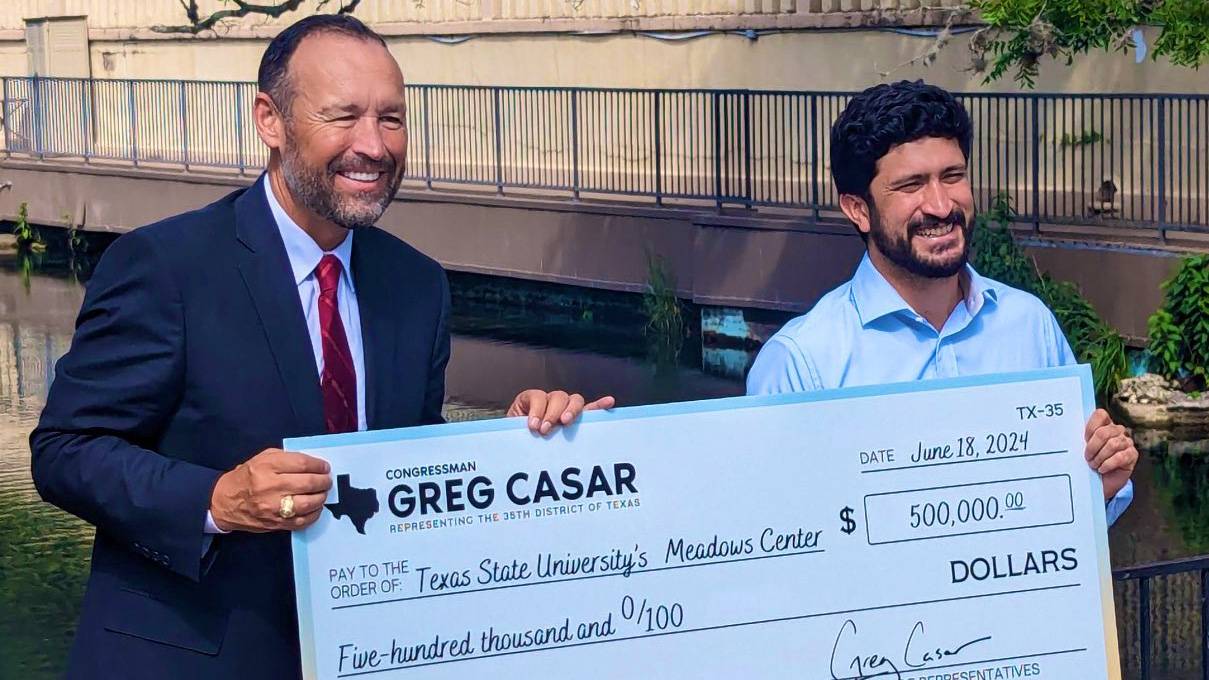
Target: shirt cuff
x,y
1115,506
212,528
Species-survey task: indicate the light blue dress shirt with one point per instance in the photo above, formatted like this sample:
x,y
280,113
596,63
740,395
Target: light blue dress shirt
x,y
304,255
864,333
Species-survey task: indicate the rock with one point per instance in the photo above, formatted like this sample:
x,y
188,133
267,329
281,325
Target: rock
x,y
1152,402
8,243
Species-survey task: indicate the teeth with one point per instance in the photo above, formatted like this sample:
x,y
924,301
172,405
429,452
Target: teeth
x,y
362,176
933,232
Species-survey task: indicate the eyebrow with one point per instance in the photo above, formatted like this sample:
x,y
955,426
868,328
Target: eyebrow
x,y
921,176
345,109
332,109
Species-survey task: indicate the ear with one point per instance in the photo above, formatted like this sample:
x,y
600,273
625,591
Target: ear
x,y
270,123
856,209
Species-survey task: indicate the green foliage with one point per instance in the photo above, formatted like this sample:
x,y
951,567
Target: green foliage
x,y
1165,344
997,255
27,235
1179,330
1020,32
664,312
1085,138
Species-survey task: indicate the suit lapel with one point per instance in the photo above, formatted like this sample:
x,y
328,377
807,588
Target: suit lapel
x,y
266,272
377,327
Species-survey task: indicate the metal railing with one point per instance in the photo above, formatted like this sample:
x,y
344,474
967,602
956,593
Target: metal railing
x,y
1163,619
1127,160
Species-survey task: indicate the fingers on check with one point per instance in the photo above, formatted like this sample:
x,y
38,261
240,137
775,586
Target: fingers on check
x,y
308,503
1100,437
601,404
292,462
1119,454
575,406
1098,419
537,409
303,521
306,483
556,403
519,405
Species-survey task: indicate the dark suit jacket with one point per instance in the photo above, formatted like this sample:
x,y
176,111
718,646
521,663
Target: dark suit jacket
x,y
190,355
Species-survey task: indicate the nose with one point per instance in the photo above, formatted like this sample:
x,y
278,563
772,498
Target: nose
x,y
367,139
936,201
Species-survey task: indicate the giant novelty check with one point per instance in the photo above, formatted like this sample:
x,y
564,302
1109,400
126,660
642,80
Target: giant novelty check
x,y
948,530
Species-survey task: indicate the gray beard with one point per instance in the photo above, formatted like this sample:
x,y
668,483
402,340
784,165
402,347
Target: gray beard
x,y
316,191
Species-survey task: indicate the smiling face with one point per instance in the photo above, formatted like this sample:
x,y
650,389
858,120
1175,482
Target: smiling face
x,y
922,208
344,148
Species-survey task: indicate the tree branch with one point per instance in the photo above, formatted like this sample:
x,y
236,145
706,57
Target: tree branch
x,y
242,9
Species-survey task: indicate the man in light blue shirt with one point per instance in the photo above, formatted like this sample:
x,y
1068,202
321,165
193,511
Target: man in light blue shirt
x,y
916,309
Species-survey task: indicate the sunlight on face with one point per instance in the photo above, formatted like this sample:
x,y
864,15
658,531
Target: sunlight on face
x,y
346,132
923,207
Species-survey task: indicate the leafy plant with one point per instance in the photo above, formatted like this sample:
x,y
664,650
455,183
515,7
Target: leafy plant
x,y
27,235
1085,138
1179,330
1165,345
664,312
75,240
1020,32
996,254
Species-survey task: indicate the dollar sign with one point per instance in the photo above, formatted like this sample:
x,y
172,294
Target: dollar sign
x,y
849,526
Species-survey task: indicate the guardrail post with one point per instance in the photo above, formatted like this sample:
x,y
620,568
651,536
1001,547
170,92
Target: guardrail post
x,y
499,154
7,113
134,148
1144,625
424,111
35,100
1205,623
90,112
1036,164
184,125
658,151
747,190
718,150
813,122
575,144
239,157
1161,149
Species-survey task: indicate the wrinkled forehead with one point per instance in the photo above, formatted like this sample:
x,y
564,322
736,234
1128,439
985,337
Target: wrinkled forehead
x,y
332,69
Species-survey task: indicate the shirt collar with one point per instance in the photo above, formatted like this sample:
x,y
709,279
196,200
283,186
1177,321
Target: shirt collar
x,y
304,254
874,297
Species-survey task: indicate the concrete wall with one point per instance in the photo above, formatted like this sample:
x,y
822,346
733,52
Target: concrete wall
x,y
511,16
543,42
804,60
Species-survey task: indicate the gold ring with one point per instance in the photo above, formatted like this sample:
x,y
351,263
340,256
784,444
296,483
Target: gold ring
x,y
286,510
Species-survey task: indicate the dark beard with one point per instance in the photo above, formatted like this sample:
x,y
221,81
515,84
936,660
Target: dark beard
x,y
315,188
898,249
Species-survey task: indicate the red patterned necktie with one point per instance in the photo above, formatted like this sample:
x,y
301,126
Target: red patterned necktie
x,y
339,379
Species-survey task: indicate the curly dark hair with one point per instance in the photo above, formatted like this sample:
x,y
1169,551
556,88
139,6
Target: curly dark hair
x,y
885,116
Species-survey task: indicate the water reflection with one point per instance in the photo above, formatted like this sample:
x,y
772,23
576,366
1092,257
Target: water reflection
x,y
1169,519
497,350
43,552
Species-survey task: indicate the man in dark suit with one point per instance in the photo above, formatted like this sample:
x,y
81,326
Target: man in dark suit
x,y
206,339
